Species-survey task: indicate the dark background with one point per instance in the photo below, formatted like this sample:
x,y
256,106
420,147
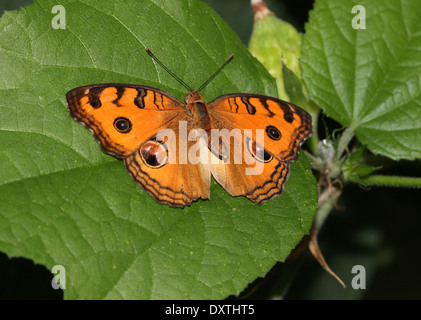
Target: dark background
x,y
378,228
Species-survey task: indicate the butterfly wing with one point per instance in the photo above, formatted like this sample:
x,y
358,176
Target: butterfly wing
x,y
286,126
264,168
178,182
258,176
125,119
122,116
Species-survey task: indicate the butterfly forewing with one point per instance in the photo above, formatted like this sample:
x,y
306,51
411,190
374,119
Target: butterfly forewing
x,y
117,113
285,125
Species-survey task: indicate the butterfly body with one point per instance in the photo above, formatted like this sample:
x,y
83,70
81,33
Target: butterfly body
x,y
196,106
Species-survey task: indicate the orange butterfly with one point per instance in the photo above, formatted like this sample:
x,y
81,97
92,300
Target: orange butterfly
x,y
126,120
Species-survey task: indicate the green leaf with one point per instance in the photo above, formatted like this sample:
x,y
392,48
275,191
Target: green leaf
x,y
368,79
64,202
293,86
353,167
272,41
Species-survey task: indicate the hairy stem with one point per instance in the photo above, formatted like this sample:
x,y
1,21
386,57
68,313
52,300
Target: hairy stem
x,y
313,142
390,181
345,139
327,200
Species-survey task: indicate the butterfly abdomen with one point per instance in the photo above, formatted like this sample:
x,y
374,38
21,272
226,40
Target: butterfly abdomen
x,y
201,116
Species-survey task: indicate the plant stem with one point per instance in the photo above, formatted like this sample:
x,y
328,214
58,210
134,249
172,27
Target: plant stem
x,y
313,142
326,202
344,140
390,181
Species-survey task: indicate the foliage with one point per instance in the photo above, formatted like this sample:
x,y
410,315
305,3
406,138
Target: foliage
x,y
64,202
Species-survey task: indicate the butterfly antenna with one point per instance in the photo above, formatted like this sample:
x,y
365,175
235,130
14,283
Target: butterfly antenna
x,y
216,72
168,70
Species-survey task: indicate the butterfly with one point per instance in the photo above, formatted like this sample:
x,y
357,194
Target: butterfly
x,y
127,120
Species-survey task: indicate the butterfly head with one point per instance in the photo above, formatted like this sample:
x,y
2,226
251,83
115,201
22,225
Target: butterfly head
x,y
193,97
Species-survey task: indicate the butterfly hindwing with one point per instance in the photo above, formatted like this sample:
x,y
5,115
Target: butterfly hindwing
x,y
163,169
247,172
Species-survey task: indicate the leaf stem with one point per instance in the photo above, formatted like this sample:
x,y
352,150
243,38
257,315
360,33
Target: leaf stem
x,y
389,181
